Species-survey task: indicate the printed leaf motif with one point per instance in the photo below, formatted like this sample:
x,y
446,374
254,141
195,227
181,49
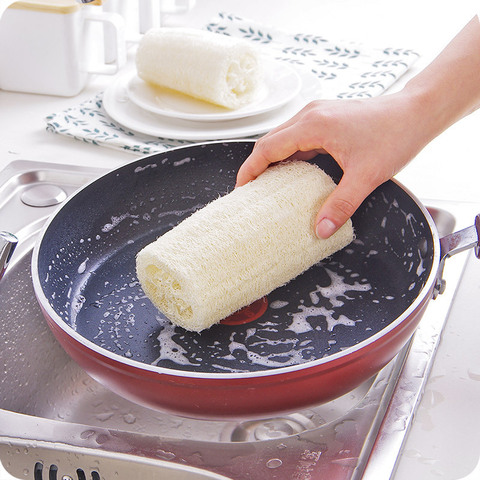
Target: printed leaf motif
x,y
363,85
381,73
331,64
315,39
390,63
256,35
357,94
217,29
399,51
343,52
352,71
324,75
304,52
229,16
290,60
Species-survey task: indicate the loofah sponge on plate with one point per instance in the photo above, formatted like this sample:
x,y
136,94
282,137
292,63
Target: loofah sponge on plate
x,y
216,68
240,247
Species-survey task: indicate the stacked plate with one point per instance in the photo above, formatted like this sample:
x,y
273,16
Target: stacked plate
x,y
165,113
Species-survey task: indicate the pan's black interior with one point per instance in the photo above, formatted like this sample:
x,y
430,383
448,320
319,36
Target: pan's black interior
x,y
86,266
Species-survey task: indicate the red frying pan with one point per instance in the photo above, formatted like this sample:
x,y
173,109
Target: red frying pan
x,y
312,340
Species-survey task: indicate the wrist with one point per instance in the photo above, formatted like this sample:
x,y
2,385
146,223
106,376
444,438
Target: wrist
x,y
448,89
418,118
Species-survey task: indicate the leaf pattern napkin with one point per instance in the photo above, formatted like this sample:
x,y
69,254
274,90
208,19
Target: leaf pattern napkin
x,y
345,70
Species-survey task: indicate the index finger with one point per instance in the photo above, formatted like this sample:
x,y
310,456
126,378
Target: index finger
x,y
272,148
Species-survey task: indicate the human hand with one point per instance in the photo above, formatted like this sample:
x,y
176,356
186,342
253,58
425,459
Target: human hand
x,y
371,139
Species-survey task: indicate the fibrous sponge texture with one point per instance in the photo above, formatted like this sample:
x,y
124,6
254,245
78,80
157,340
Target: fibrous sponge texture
x,y
240,247
216,68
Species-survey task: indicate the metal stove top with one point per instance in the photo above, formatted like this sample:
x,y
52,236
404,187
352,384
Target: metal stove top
x,y
56,420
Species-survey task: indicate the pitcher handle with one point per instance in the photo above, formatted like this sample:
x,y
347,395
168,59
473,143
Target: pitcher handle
x,y
115,52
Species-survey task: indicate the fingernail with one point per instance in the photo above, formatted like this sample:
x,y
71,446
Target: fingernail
x,y
325,228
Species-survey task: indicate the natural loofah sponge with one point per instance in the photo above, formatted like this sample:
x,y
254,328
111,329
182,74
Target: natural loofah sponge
x,y
216,68
240,247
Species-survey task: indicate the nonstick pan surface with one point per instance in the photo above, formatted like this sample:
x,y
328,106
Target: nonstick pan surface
x,y
339,322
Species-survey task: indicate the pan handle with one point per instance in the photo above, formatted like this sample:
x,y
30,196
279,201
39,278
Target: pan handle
x,y
455,243
8,242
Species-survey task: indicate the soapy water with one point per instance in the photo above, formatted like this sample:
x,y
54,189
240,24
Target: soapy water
x,y
116,220
324,311
301,324
296,328
286,339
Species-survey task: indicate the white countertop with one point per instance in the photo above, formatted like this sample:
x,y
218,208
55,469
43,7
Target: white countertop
x,y
445,440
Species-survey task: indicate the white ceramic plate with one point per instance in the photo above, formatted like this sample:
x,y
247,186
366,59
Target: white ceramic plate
x,y
281,84
121,109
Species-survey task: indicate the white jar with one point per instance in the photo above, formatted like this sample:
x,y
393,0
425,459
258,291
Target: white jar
x,y
52,46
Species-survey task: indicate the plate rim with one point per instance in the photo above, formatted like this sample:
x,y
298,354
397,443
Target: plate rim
x,y
235,114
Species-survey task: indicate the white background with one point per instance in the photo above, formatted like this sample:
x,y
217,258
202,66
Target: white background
x,y
445,441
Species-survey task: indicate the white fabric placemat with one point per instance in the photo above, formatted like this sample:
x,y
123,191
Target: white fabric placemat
x,y
345,70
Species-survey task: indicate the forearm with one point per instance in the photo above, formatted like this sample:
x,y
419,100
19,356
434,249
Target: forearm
x,y
448,88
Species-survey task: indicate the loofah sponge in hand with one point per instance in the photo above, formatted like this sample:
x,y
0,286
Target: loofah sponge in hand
x,y
240,247
216,68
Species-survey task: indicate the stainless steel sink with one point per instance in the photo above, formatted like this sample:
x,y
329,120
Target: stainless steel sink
x,y
55,419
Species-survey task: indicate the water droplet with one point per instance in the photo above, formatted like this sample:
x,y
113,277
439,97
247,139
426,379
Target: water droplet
x,y
102,438
83,266
129,418
103,417
274,463
474,373
164,455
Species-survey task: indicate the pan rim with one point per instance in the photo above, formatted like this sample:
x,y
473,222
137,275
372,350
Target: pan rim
x,y
170,372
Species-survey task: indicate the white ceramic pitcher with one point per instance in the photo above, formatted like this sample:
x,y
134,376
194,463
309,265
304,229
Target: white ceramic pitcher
x,y
51,47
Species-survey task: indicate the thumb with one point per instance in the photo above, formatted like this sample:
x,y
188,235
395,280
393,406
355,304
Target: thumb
x,y
340,205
